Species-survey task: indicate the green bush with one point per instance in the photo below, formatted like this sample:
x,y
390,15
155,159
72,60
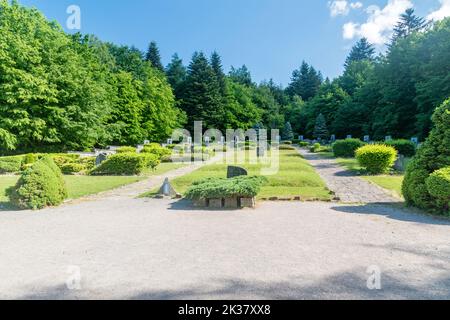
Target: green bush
x,y
214,188
438,185
39,186
155,148
303,144
346,148
286,147
404,147
126,150
88,162
10,164
433,155
287,142
315,148
127,164
72,168
30,158
62,159
377,158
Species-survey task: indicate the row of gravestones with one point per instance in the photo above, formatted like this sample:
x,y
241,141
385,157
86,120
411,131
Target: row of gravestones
x,y
367,139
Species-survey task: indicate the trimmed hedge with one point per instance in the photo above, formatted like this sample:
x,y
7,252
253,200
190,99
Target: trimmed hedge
x,y
433,155
286,147
438,185
315,148
10,164
376,158
72,168
214,188
127,164
40,186
404,147
303,144
126,150
347,148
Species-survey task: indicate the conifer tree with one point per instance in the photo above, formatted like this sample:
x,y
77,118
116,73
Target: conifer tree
x,y
362,50
288,134
154,57
408,24
176,74
320,129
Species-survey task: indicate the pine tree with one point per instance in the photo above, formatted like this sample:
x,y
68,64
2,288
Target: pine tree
x,y
288,134
176,74
201,97
216,65
320,129
241,75
408,24
305,82
154,57
362,50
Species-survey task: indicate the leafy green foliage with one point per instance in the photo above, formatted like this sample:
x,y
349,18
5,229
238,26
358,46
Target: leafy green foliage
x,y
157,149
315,147
39,186
126,150
288,134
320,128
404,147
377,158
433,155
213,188
10,164
346,148
127,164
438,185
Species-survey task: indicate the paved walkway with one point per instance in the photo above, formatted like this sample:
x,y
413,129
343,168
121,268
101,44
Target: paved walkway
x,y
349,188
159,249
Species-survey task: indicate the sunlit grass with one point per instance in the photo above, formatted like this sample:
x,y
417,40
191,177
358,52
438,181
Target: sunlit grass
x,y
294,178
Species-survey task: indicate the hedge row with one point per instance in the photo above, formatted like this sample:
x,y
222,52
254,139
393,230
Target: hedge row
x,y
347,148
127,164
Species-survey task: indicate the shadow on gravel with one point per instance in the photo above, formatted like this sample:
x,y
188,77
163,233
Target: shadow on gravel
x,y
350,284
395,211
186,205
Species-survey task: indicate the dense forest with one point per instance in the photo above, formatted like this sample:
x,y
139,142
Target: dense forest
x,y
61,91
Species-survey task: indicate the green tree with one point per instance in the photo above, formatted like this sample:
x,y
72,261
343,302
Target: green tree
x,y
154,57
176,74
305,82
241,75
288,134
320,128
361,51
408,24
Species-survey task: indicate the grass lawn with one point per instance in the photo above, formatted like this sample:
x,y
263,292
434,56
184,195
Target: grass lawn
x,y
392,183
295,178
163,168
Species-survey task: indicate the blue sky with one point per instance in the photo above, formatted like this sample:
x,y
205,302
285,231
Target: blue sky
x,y
271,37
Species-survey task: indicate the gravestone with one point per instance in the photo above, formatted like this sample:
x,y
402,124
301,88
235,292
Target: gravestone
x,y
167,190
236,172
367,139
415,140
349,136
388,138
169,141
333,138
101,158
301,138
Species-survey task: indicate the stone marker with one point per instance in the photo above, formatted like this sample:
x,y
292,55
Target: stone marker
x,y
231,203
415,140
367,139
248,202
333,138
167,190
301,138
388,138
236,172
101,158
215,204
349,136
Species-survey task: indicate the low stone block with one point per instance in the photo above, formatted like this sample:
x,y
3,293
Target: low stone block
x,y
215,203
231,203
248,202
200,203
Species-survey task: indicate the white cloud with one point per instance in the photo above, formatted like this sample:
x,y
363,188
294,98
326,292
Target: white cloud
x,y
343,7
442,12
380,24
356,5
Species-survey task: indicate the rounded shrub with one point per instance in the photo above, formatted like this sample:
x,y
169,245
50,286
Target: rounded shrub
x,y
126,150
315,148
346,148
377,158
157,149
40,186
72,168
127,164
433,155
438,185
404,147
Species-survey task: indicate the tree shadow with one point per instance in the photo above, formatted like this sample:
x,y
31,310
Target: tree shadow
x,y
351,284
187,205
395,211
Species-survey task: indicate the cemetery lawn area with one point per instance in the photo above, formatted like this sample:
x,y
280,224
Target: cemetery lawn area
x,y
392,183
163,168
295,178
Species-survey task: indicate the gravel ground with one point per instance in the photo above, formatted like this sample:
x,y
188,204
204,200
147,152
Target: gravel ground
x,y
159,249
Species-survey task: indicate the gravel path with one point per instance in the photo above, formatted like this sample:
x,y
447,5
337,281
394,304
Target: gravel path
x,y
159,249
349,188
